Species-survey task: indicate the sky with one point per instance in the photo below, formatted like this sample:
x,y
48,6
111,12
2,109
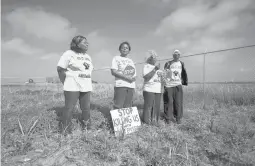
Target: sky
x,y
35,33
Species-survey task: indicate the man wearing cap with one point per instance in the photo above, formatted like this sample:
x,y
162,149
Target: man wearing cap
x,y
176,76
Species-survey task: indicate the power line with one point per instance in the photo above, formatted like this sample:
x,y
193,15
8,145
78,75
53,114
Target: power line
x,y
208,52
222,50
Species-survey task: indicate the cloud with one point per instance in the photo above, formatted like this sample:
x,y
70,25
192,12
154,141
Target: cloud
x,y
102,59
99,50
204,25
207,25
21,48
181,20
96,42
200,17
49,56
18,45
155,3
224,26
39,23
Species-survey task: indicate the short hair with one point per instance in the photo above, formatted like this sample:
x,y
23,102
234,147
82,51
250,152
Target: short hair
x,y
151,55
125,42
177,51
74,45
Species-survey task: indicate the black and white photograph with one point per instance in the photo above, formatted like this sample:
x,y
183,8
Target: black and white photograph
x,y
127,83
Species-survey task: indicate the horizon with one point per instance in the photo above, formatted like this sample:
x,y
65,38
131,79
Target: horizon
x,y
192,27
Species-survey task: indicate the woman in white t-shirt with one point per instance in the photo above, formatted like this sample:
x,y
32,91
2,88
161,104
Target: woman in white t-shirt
x,y
152,89
74,70
124,71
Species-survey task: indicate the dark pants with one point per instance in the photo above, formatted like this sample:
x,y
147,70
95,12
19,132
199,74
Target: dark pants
x,y
70,102
151,109
123,97
173,102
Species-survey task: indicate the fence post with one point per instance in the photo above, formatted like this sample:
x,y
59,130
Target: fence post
x,y
204,106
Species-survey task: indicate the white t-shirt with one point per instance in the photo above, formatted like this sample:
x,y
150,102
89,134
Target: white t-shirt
x,y
173,75
154,84
125,66
78,78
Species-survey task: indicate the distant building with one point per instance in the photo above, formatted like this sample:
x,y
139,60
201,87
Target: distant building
x,y
30,81
35,80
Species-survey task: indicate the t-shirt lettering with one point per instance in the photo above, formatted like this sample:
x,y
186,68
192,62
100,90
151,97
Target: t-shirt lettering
x,y
125,66
78,76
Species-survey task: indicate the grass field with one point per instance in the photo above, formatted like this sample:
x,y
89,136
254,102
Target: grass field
x,y
223,134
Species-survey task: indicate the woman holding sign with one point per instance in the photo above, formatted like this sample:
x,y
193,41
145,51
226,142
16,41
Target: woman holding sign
x,y
152,89
74,70
123,69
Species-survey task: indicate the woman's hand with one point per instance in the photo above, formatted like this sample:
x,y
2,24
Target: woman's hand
x,y
120,75
157,66
62,74
130,79
160,73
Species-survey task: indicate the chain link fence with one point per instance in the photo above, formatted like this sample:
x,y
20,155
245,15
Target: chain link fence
x,y
229,72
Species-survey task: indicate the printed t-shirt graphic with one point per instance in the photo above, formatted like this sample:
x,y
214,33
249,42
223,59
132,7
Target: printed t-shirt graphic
x,y
173,75
154,84
125,66
78,77
129,71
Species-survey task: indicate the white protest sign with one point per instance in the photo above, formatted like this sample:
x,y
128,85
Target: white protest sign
x,y
126,119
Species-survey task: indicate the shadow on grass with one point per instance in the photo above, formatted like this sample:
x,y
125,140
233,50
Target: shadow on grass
x,y
77,114
103,108
140,110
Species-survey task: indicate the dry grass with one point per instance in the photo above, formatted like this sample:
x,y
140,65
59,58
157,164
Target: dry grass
x,y
223,134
